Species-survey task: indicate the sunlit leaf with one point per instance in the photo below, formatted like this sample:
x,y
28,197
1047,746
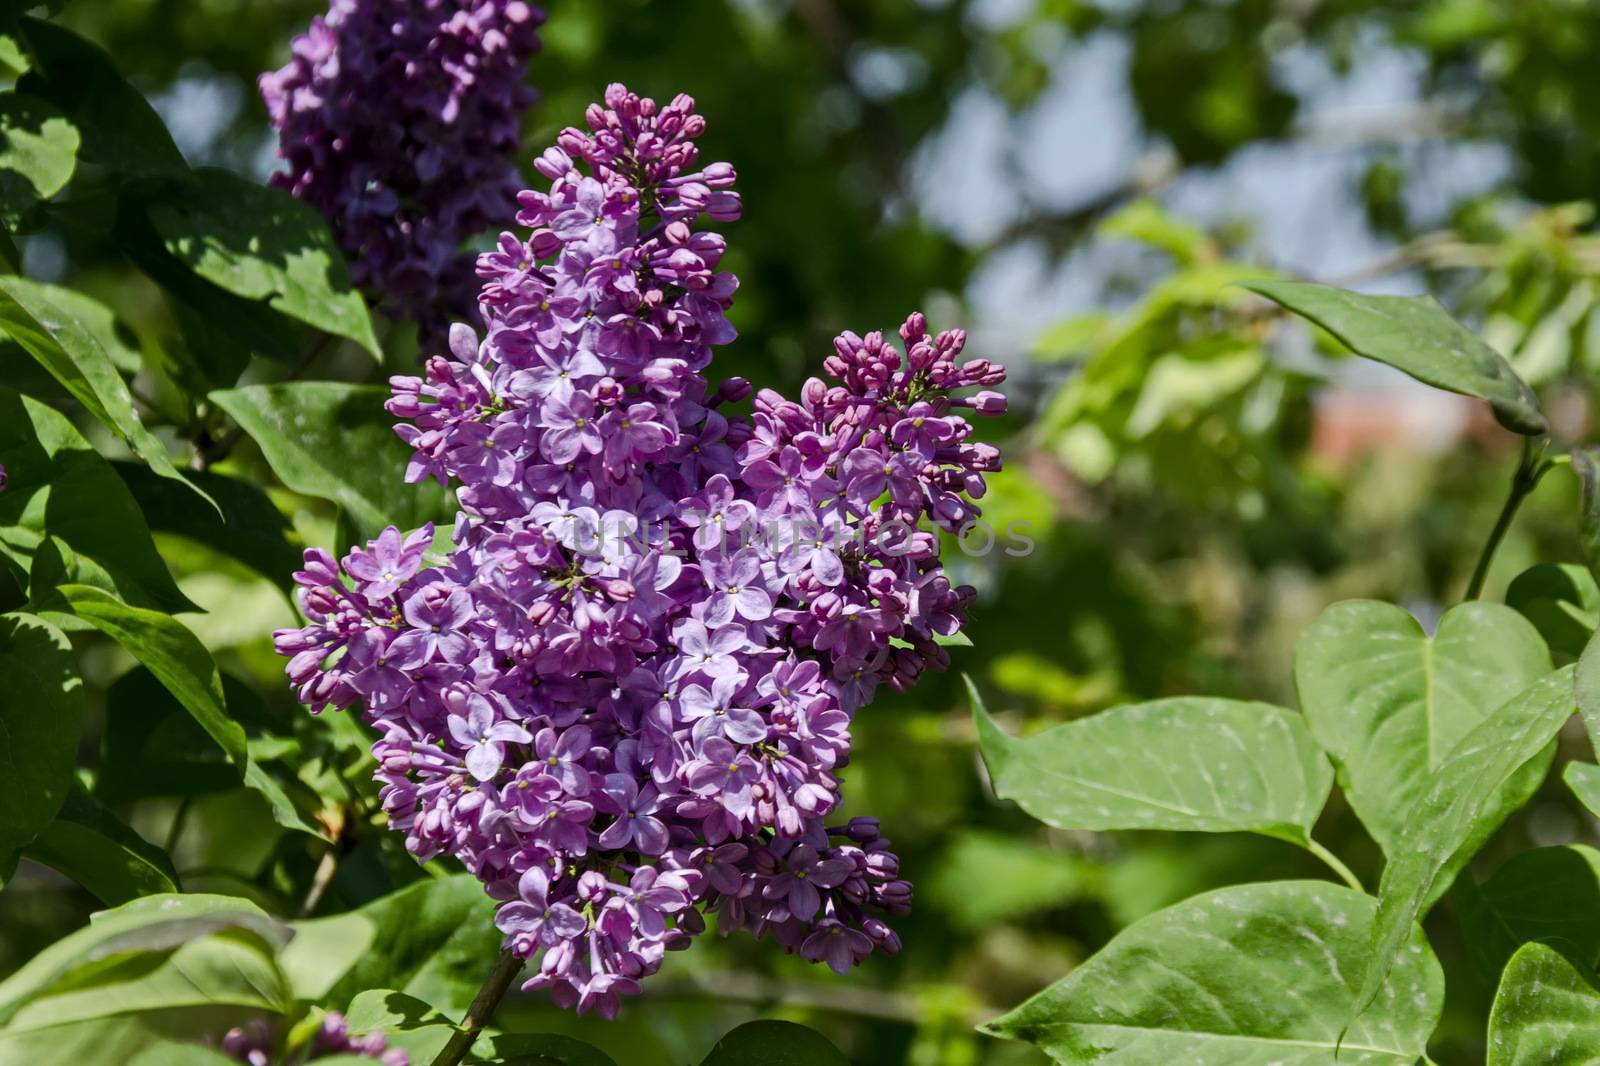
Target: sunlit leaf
x,y
38,153
1546,1012
1207,765
1388,702
1583,778
1416,335
1248,976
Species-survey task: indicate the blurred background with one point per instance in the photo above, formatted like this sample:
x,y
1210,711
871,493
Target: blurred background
x,y
1077,183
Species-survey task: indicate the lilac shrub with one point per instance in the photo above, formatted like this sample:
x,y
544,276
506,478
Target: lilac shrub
x,y
399,120
623,699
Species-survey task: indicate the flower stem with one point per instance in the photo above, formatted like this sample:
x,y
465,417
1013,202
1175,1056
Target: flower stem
x,y
494,989
1334,864
1529,471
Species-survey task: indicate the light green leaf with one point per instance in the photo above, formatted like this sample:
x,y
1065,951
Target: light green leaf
x,y
1561,600
431,940
1388,704
115,1010
1550,895
150,923
1414,334
1546,1012
1586,464
38,153
1586,687
40,719
1188,763
62,329
1256,975
181,1055
770,1043
263,244
92,846
1463,805
120,129
336,442
59,486
1583,778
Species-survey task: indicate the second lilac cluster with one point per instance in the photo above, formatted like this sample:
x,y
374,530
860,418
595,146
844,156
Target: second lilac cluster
x,y
399,120
624,697
252,1044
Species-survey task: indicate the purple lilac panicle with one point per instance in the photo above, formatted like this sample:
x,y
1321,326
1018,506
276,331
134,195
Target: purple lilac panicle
x,y
622,700
252,1044
398,120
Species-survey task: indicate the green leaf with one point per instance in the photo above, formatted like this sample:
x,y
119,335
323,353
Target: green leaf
x,y
1019,877
62,329
1586,687
1189,763
263,244
150,923
1388,704
93,847
249,529
1586,464
1414,334
336,442
120,130
1461,807
431,940
40,719
152,746
409,1024
1253,975
1583,778
58,485
38,153
1549,895
181,1055
544,1049
115,1010
774,1044
1546,1012
1561,600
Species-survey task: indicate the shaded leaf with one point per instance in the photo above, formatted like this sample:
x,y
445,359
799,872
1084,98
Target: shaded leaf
x,y
1586,463
1189,763
1549,895
1388,703
1546,1012
92,846
40,719
1561,600
38,153
263,244
336,442
152,746
58,483
1461,807
1586,687
545,1049
1246,976
771,1043
1414,334
62,329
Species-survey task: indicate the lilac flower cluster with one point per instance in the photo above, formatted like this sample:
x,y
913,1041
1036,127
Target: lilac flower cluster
x,y
623,699
252,1043
398,121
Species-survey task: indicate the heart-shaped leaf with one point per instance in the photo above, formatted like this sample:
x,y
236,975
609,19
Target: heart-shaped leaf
x,y
1546,1012
1414,334
1253,975
336,442
40,720
1388,703
1562,601
1463,804
1550,895
1190,763
771,1043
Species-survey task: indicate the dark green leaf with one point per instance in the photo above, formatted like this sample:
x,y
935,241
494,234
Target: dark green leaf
x,y
1207,765
432,940
1246,976
336,442
152,746
62,329
774,1044
1388,703
38,153
40,719
1586,463
263,244
120,129
1416,335
1561,600
250,529
58,483
93,847
1460,808
547,1049
1550,895
1546,1012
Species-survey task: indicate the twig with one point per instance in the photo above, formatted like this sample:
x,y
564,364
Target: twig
x,y
175,830
1529,471
494,989
320,881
